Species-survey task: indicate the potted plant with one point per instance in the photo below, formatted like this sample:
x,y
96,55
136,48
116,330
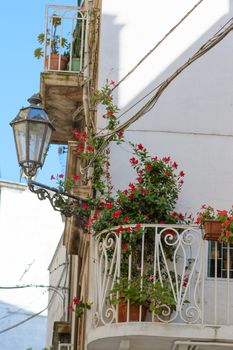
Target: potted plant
x,y
59,47
79,306
145,291
217,224
75,59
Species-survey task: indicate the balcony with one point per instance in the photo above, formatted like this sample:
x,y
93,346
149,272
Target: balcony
x,y
64,48
177,260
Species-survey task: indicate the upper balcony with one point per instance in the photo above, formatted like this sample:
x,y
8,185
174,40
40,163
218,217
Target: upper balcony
x,y
64,47
184,285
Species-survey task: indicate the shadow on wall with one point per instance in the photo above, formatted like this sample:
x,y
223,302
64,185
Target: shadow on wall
x,y
191,122
31,334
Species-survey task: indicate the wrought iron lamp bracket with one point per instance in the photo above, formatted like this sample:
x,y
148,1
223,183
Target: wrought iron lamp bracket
x,y
43,192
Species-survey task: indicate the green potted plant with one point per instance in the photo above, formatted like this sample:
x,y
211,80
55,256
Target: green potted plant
x,y
217,224
75,59
79,306
145,291
59,47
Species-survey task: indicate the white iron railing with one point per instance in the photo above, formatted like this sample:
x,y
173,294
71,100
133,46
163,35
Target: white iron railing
x,y
64,346
65,38
173,256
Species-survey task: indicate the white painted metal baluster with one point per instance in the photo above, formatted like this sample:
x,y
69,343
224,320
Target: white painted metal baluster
x,y
50,41
228,284
129,278
60,48
82,39
203,269
71,44
142,269
45,35
118,269
215,281
156,253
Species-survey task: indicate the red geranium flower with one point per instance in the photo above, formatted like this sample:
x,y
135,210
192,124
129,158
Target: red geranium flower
x,y
75,301
140,146
181,174
125,246
61,176
175,165
116,214
149,167
133,161
75,177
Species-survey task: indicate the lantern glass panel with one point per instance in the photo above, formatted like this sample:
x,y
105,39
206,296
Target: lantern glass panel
x,y
20,140
46,144
36,138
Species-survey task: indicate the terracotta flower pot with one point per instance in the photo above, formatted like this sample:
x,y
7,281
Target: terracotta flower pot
x,y
212,230
134,311
54,62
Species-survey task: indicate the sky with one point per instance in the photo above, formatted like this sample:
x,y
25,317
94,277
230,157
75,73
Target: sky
x,y
21,22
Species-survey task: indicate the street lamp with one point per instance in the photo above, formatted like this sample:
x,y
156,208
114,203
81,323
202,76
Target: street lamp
x,y
32,133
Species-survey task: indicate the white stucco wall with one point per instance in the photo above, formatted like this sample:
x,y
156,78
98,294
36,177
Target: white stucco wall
x,y
192,121
58,275
29,232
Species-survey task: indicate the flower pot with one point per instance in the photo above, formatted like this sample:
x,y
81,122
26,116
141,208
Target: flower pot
x,y
53,64
134,311
212,230
75,65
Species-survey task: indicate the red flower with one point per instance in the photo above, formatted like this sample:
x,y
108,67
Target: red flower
x,y
125,246
203,206
83,136
85,206
125,192
108,205
90,148
112,82
116,214
75,301
175,165
76,134
222,212
138,226
126,219
75,177
133,161
119,230
166,159
181,174
61,176
80,148
155,159
140,179
104,116
181,216
149,167
132,186
120,133
181,182
228,234
174,214
110,112
52,177
129,229
140,146
167,173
